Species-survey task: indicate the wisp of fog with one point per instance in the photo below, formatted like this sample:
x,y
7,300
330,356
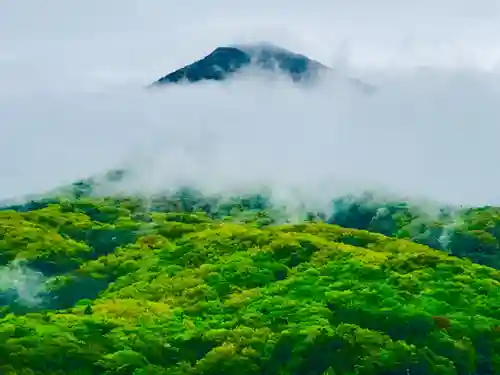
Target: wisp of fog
x,y
21,284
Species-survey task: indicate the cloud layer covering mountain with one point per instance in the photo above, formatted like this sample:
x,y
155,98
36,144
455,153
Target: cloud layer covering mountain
x,y
72,102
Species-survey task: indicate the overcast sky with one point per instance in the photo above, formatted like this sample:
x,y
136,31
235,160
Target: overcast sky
x,y
95,42
71,74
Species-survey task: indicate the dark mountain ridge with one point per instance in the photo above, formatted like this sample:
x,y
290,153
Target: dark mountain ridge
x,y
224,62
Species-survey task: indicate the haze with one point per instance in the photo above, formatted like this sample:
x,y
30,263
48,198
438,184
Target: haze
x,y
72,100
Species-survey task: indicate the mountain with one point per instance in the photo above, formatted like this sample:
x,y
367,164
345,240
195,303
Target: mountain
x,y
470,232
224,62
193,284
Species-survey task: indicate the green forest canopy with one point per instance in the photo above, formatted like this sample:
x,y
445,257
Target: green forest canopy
x,y
187,284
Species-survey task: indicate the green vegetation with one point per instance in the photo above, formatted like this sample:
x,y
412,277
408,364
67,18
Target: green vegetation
x,y
188,284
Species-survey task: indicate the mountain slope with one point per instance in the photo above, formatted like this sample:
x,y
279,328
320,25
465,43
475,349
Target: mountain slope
x,y
224,62
472,232
129,291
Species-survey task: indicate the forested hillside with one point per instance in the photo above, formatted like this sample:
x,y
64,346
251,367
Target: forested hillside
x,y
195,285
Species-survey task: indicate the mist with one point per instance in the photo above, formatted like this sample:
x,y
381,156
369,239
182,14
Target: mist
x,y
74,102
22,285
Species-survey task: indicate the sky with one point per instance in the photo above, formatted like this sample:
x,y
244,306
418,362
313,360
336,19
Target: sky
x,y
94,43
72,98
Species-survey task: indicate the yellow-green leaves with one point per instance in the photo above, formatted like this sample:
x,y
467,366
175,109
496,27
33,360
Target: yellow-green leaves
x,y
133,292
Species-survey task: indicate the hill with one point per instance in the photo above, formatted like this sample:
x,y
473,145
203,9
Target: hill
x,y
188,285
225,62
471,232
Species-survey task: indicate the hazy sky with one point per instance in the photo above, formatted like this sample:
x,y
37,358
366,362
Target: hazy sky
x,y
71,101
94,42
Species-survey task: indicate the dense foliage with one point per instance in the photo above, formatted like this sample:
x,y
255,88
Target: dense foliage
x,y
197,285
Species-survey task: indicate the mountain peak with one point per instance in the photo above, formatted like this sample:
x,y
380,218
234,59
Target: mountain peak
x,y
224,61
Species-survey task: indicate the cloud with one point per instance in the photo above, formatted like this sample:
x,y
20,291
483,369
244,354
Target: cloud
x,y
73,104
